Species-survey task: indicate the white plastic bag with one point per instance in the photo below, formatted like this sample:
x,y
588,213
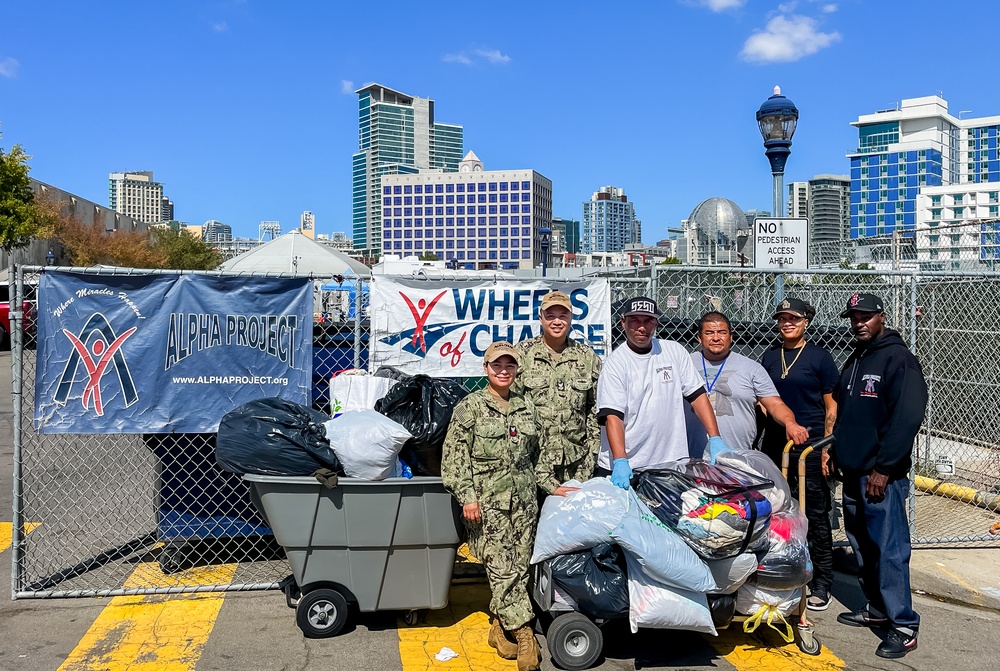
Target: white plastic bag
x,y
658,606
367,443
732,572
357,391
770,607
580,520
662,553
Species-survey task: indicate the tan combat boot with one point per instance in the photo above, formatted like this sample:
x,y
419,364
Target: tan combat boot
x,y
506,648
529,657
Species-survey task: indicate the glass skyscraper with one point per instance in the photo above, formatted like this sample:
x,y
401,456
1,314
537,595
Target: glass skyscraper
x,y
397,135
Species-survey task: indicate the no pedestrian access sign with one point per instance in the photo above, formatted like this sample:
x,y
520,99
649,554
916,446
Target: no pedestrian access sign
x,y
781,244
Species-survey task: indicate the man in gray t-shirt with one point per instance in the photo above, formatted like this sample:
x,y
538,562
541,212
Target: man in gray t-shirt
x,y
735,384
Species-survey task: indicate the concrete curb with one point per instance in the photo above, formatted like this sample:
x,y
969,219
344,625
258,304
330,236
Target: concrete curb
x,y
964,576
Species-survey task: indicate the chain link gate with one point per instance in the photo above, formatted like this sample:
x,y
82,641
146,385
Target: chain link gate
x,y
88,509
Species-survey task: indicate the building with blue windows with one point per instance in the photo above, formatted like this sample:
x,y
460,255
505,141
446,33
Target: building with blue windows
x,y
905,150
609,222
475,219
397,135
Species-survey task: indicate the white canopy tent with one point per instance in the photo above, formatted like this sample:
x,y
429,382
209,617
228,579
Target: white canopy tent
x,y
298,254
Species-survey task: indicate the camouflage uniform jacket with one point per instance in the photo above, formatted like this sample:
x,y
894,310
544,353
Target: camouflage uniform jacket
x,y
565,393
489,454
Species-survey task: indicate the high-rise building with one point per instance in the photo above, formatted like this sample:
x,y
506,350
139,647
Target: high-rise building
x,y
570,234
136,195
609,222
829,214
397,135
216,231
753,214
478,219
918,144
166,209
307,224
798,200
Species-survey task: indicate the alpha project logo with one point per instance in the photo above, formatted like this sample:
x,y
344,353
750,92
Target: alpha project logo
x,y
96,347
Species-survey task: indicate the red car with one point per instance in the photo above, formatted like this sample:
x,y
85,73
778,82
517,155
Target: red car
x,y
29,316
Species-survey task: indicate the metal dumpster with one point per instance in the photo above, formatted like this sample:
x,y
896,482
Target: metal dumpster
x,y
385,545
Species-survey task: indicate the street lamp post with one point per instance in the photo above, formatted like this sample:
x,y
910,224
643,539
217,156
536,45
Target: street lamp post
x,y
777,119
544,233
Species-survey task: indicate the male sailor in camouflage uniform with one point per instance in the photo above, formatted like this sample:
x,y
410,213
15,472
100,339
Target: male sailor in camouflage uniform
x,y
559,375
488,465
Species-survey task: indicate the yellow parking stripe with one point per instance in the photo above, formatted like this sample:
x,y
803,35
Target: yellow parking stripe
x,y
463,626
153,633
7,533
751,652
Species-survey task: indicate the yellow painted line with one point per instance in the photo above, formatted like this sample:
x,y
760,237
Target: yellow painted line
x,y
153,633
977,597
463,626
757,651
7,533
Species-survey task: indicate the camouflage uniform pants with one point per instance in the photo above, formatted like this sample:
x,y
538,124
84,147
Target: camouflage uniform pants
x,y
503,543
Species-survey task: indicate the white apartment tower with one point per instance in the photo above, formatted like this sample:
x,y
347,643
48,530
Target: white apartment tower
x,y
136,195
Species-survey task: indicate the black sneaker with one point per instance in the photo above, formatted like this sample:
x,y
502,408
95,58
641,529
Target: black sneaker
x,y
862,618
897,643
818,600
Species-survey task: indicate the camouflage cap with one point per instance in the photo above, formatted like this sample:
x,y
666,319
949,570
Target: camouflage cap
x,y
556,298
501,348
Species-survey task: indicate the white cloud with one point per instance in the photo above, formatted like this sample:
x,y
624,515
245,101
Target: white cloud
x,y
347,86
722,5
491,56
9,67
786,39
788,7
829,9
220,26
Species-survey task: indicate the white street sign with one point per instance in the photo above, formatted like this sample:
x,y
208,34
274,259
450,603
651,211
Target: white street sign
x,y
781,244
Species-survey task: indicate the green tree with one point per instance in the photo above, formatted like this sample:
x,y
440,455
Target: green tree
x,y
184,251
671,261
428,256
21,218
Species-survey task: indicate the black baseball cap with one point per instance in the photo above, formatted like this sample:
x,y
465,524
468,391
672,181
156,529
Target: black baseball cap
x,y
794,306
641,306
863,303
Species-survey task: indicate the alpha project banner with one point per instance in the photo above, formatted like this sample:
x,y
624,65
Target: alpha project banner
x,y
166,353
442,328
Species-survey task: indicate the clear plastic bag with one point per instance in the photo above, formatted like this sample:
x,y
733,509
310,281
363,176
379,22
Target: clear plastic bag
x,y
719,510
758,463
787,563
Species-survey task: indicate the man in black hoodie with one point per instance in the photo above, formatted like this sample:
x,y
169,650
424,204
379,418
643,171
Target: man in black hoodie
x,y
881,400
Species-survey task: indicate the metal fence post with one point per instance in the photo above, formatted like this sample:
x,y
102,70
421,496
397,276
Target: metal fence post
x,y
357,322
16,352
912,501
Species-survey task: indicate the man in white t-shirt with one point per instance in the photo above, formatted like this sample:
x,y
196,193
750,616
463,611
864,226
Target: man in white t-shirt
x,y
735,384
640,399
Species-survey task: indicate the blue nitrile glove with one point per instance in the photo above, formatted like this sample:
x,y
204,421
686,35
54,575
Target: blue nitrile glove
x,y
621,473
716,446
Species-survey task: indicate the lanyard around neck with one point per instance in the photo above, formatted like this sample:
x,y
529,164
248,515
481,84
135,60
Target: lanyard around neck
x,y
704,368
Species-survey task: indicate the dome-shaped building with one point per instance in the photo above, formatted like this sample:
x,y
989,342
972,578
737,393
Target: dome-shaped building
x,y
716,233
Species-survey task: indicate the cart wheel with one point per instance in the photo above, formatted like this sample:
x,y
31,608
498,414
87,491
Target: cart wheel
x,y
173,558
412,617
574,641
810,645
321,613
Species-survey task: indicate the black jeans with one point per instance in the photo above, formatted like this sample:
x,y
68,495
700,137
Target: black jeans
x,y
819,501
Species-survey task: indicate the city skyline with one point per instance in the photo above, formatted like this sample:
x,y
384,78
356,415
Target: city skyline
x,y
241,134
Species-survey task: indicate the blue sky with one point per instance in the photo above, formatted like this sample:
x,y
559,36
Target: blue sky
x,y
245,110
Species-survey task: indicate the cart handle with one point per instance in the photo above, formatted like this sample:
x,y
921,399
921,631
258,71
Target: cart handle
x,y
820,444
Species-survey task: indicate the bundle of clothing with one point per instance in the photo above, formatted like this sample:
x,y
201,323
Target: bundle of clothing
x,y
719,510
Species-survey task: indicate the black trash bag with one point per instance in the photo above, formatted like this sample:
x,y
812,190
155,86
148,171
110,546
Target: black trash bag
x,y
596,579
272,436
423,405
723,608
786,567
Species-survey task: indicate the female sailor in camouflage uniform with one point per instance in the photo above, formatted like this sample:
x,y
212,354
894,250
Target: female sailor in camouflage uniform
x,y
488,465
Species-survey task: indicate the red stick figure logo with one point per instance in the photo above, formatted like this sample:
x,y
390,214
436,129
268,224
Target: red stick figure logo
x,y
104,349
421,311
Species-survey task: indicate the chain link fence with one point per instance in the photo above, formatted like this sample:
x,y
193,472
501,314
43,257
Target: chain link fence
x,y
114,514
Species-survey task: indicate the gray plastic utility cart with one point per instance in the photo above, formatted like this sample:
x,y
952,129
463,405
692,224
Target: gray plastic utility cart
x,y
385,545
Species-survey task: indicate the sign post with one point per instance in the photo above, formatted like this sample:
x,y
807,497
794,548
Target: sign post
x,y
781,244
